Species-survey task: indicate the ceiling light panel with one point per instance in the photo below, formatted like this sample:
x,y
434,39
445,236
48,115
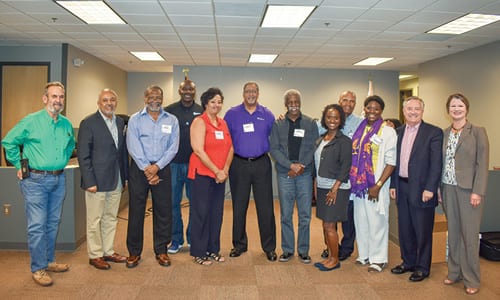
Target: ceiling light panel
x,y
466,23
262,58
373,61
282,16
147,56
92,12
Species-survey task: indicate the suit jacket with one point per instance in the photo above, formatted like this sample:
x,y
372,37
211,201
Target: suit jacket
x,y
278,141
98,156
471,158
424,166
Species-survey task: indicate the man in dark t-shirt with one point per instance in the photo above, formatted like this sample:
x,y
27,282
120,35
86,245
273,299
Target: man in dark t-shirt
x,y
185,110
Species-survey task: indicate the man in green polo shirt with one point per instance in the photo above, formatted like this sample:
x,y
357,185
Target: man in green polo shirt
x,y
48,141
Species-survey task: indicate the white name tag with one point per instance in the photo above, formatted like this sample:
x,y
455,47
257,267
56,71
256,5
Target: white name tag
x,y
166,128
248,127
299,133
219,135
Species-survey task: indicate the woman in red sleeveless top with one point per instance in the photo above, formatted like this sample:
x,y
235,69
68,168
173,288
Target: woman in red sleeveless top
x,y
208,168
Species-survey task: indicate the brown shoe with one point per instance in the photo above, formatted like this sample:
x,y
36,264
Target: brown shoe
x,y
55,267
42,278
99,263
133,261
163,259
116,258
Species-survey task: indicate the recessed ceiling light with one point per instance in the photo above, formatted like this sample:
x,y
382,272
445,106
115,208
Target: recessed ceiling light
x,y
262,58
373,61
405,76
466,23
284,16
147,56
92,12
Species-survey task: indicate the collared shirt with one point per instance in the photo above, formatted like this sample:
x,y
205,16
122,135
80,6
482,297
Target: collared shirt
x,y
111,123
406,146
151,141
250,132
351,124
185,116
294,138
47,144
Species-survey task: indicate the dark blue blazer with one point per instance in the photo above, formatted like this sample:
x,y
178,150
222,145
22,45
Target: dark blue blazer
x,y
424,166
98,156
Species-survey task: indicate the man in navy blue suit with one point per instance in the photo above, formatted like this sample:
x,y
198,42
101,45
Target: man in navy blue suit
x,y
103,160
414,184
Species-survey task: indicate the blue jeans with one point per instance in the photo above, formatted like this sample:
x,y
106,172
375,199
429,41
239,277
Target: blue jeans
x,y
297,189
43,198
179,180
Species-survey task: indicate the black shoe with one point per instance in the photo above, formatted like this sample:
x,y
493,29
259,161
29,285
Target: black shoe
x,y
304,258
271,256
418,276
344,256
236,252
324,254
401,269
286,256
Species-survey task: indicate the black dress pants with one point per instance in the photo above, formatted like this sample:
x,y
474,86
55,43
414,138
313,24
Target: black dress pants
x,y
161,195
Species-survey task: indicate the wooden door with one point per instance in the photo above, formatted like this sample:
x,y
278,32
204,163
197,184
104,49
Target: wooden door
x,y
22,90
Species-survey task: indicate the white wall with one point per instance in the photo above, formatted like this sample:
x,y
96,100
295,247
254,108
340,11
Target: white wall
x,y
476,74
319,87
84,84
137,84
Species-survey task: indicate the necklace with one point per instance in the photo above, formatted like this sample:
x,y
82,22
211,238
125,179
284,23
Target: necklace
x,y
458,129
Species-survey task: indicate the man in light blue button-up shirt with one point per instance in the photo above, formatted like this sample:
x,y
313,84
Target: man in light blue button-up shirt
x,y
152,141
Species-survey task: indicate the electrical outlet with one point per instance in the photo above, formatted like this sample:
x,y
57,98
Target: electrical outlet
x,y
6,209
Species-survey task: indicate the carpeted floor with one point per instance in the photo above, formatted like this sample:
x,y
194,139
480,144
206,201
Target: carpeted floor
x,y
249,276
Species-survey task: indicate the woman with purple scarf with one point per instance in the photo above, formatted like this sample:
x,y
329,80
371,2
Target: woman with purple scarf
x,y
373,160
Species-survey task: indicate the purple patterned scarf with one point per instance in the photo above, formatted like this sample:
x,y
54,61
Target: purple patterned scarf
x,y
361,175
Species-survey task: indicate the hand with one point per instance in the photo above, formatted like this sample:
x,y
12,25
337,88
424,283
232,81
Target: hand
x,y
92,189
392,193
220,176
373,192
475,200
296,169
440,200
331,197
150,171
281,117
426,195
19,174
154,180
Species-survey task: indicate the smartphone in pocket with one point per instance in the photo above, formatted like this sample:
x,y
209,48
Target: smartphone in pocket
x,y
25,169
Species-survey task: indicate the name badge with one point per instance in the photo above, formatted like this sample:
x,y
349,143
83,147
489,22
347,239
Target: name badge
x,y
248,127
166,128
376,139
219,135
299,133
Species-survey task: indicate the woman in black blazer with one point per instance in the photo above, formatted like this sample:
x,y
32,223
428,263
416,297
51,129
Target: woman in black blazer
x,y
332,160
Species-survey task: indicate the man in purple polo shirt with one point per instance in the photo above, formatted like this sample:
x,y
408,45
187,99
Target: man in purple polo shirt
x,y
250,125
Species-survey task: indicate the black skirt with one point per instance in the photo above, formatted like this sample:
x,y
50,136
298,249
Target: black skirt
x,y
332,213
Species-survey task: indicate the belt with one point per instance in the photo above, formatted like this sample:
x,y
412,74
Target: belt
x,y
405,179
56,172
250,158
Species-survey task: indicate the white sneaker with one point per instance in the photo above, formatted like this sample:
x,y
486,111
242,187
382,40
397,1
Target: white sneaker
x,y
174,248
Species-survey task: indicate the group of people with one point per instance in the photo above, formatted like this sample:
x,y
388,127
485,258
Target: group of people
x,y
353,166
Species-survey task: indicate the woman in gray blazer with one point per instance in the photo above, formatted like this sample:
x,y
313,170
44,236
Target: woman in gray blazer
x,y
465,174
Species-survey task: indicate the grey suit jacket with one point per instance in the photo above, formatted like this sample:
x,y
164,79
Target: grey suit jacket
x,y
471,158
98,156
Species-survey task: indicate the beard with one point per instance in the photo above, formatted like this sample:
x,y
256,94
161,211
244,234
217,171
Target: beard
x,y
54,110
154,107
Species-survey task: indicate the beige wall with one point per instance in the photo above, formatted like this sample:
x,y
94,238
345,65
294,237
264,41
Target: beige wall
x,y
85,82
476,74
410,84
